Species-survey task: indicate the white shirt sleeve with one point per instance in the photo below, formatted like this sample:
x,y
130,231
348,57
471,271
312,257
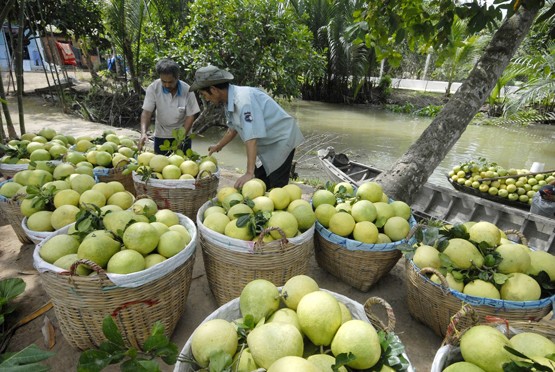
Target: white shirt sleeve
x,y
149,103
192,105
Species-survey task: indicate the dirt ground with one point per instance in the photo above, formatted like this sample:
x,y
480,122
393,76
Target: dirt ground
x,y
16,261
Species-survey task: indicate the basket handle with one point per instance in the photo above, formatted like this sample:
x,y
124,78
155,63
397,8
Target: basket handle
x,y
442,279
453,335
93,265
126,161
376,322
260,241
518,234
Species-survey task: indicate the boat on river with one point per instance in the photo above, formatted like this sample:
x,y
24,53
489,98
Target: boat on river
x,y
441,203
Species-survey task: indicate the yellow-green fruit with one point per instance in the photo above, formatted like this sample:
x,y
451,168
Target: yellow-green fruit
x,y
324,362
484,346
366,232
485,232
294,191
345,313
213,336
285,315
542,261
167,216
520,287
9,189
361,339
397,228
63,216
383,239
252,189
451,281
98,247
123,199
295,288
401,209
225,191
533,344
57,247
516,258
286,222
342,224
216,222
141,236
292,364
239,209
545,362
145,206
126,262
371,191
153,259
40,221
324,213
305,216
345,187
463,367
81,182
158,162
280,197
213,209
236,232
65,262
171,243
364,210
66,197
320,317
160,227
265,204
93,197
426,256
463,254
323,197
259,298
244,362
272,341
481,288
118,220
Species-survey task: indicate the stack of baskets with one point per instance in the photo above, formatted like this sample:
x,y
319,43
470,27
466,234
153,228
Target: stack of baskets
x,y
11,212
232,263
136,301
358,264
181,196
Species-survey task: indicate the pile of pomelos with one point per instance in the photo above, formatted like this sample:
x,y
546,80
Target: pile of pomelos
x,y
477,259
125,241
301,328
365,214
45,145
175,166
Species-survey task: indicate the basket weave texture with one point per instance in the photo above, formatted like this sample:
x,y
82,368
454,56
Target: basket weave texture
x,y
434,305
181,196
81,303
231,263
357,264
10,210
116,174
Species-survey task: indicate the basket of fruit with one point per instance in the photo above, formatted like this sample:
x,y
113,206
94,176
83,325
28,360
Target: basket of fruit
x,y
88,275
176,182
244,238
495,345
475,263
266,328
359,233
10,209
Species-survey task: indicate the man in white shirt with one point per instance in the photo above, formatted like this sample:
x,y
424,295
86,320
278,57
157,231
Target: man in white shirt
x,y
175,105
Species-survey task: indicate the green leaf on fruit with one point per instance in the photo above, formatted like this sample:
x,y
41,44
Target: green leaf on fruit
x,y
219,361
342,360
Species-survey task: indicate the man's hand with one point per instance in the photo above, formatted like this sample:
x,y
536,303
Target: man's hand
x,y
243,179
142,141
213,148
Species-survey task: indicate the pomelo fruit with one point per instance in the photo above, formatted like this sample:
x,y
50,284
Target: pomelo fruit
x,y
63,216
126,261
238,210
158,162
343,207
294,191
81,182
264,204
542,261
207,168
141,236
104,188
463,254
463,367
285,315
295,203
295,288
252,189
9,189
103,158
167,216
371,191
118,220
243,361
397,228
324,362
384,212
213,209
170,243
323,197
272,341
345,313
383,239
280,197
232,199
515,258
144,158
27,208
189,167
216,222
320,317
533,344
324,213
344,187
145,206
236,232
57,247
485,232
426,256
92,197
481,288
361,339
123,199
160,227
153,259
212,336
65,262
40,221
293,364
261,182
305,217
225,191
40,154
364,210
401,209
520,287
483,346
259,298
286,222
365,232
171,172
342,224
451,282
62,171
98,247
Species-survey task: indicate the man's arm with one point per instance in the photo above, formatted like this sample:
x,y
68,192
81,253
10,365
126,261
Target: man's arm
x,y
228,136
251,164
145,122
189,120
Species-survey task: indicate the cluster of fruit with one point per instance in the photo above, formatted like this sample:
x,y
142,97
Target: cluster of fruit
x,y
175,166
365,214
41,146
243,214
124,242
485,348
477,259
288,331
513,184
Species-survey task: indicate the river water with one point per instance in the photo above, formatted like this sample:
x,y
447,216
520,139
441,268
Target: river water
x,y
378,137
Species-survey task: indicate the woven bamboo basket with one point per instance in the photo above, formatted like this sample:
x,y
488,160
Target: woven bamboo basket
x,y
181,196
116,174
9,170
232,263
231,311
434,304
357,264
11,212
135,301
466,317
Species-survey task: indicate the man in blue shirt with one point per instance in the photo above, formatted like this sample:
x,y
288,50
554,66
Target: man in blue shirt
x,y
270,134
175,105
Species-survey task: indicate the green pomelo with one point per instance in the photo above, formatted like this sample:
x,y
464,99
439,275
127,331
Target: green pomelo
x,y
284,221
33,146
324,213
237,210
39,177
153,259
116,186
463,254
145,206
297,202
75,157
47,133
63,170
99,248
295,288
364,210
285,315
294,191
383,239
324,362
401,209
345,188
123,199
342,224
57,247
66,197
292,364
160,227
320,317
141,236
272,341
118,220
216,222
27,208
40,221
236,232
158,162
259,298
366,232
485,232
170,243
520,287
516,258
451,281
305,216
252,189
81,169
93,197
280,197
213,209
264,204
171,172
361,339
59,185
66,261
226,191
343,207
144,158
83,145
426,256
22,177
384,212
542,261
126,261
397,228
9,189
480,288
533,344
244,362
323,197
371,191
63,216
345,313
57,151
189,167
40,154
167,216
81,182
463,367
182,230
110,208
213,336
207,168
385,198
103,188
484,346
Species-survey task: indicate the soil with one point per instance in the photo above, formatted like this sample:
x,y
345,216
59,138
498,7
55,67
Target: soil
x,y
16,261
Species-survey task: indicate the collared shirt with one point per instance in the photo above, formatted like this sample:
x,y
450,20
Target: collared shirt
x,y
171,110
255,115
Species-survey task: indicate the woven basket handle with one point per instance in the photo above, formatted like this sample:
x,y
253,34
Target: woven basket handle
x,y
93,265
519,235
260,241
376,322
453,335
126,161
442,279
199,178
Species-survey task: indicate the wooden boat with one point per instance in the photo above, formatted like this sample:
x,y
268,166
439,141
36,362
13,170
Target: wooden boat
x,y
438,202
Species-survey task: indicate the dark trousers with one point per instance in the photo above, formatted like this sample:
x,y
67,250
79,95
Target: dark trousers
x,y
279,177
183,146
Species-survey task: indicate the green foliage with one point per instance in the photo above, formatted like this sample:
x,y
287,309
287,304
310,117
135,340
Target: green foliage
x,y
10,288
25,360
114,351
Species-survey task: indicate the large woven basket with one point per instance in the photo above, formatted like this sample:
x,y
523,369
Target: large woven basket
x,y
116,174
135,301
9,170
181,196
10,210
434,304
358,264
231,311
232,263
